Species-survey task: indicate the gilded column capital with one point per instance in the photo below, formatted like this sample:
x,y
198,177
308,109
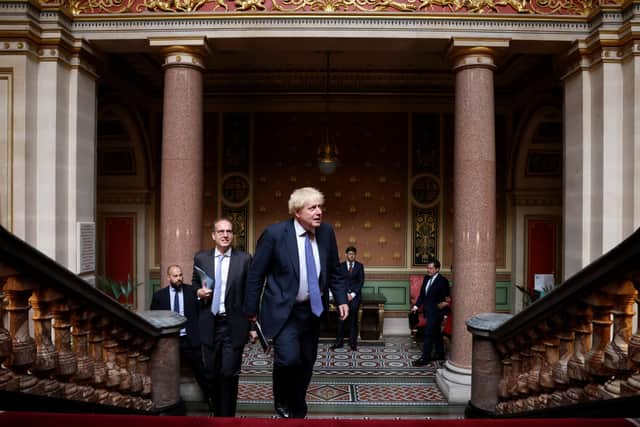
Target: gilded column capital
x,y
183,56
472,57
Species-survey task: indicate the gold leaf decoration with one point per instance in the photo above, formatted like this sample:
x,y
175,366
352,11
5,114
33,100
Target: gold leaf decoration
x,y
501,7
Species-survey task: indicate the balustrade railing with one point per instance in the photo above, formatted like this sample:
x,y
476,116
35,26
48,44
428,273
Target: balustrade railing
x,y
63,339
573,349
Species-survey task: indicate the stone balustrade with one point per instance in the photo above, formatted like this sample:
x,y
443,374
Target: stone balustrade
x,y
575,346
62,338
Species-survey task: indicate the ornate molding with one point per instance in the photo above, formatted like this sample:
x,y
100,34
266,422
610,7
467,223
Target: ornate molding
x,y
499,7
531,198
114,197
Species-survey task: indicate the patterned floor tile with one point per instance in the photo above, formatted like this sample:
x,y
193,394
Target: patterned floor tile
x,y
374,381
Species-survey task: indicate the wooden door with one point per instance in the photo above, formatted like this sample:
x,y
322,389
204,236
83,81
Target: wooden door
x,y
543,247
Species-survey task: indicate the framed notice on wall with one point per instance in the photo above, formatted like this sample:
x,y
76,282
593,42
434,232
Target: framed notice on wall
x,y
86,247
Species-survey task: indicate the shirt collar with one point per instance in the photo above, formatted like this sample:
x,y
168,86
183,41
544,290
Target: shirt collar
x,y
300,231
217,253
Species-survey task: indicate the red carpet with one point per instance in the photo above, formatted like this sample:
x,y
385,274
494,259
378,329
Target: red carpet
x,y
25,419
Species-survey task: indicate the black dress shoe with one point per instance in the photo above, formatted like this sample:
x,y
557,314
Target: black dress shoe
x,y
354,348
421,362
282,410
334,346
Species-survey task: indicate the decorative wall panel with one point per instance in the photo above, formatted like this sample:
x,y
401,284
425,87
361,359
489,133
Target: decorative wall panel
x,y
365,197
426,186
235,169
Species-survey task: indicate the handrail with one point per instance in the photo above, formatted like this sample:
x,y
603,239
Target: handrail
x,y
572,346
86,347
618,262
24,258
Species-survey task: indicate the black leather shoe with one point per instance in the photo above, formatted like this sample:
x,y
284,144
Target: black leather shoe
x,y
421,362
354,348
282,410
334,346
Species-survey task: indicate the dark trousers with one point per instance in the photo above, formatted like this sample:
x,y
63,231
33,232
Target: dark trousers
x,y
295,352
222,367
433,339
353,324
192,357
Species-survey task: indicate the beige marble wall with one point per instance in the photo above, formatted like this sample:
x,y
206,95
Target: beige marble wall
x,y
601,150
53,144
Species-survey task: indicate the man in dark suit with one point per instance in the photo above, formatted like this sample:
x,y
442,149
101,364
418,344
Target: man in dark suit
x,y
295,264
181,298
354,274
435,299
224,328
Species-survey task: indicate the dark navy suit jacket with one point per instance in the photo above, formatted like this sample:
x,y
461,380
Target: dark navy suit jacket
x,y
354,281
160,301
276,267
233,297
438,291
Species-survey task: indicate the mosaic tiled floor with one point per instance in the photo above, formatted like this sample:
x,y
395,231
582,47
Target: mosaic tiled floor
x,y
377,381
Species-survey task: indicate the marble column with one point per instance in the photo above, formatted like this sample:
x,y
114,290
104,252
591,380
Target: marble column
x,y
182,159
474,265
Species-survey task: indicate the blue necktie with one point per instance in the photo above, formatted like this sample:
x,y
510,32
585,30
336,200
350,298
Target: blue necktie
x,y
312,278
176,300
215,306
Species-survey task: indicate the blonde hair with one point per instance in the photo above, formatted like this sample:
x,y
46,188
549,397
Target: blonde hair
x,y
302,196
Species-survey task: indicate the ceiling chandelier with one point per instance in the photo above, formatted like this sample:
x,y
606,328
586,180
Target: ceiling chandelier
x,y
327,150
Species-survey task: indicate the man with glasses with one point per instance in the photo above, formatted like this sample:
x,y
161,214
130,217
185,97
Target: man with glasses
x,y
220,275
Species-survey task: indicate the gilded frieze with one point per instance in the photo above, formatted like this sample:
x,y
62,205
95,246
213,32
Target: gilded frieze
x,y
504,7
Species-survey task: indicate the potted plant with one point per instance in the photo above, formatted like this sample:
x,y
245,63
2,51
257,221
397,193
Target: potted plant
x,y
121,291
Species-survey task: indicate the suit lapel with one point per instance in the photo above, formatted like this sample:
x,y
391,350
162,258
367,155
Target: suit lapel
x,y
231,275
322,250
166,296
291,242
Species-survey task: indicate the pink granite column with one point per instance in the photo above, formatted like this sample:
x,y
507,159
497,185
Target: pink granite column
x,y
474,203
182,162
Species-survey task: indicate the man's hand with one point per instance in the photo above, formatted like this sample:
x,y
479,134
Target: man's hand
x,y
414,309
343,309
446,302
349,297
253,336
204,293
